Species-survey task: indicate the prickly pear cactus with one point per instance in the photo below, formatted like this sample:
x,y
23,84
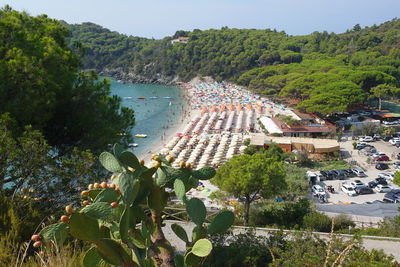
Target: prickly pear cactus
x,y
114,215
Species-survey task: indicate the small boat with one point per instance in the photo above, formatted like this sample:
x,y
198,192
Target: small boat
x,y
170,103
128,97
167,97
141,135
140,97
153,97
133,145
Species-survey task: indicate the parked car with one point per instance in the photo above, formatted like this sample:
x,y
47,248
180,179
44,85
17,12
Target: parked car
x,y
377,181
339,174
377,136
317,190
394,141
381,166
380,188
387,175
363,190
350,173
320,177
382,158
361,146
327,175
398,156
359,172
366,139
387,138
348,189
356,183
393,196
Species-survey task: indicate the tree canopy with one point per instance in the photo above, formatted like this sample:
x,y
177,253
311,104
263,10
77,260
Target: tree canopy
x,y
250,175
41,85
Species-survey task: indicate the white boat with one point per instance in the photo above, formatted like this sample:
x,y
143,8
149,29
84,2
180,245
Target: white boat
x,y
153,97
170,103
128,97
133,145
141,135
167,97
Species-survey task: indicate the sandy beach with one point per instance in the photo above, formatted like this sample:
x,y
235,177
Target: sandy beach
x,y
186,115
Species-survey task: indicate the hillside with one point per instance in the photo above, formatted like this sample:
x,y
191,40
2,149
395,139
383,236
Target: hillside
x,y
270,62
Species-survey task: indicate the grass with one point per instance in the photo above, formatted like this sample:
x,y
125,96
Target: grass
x,y
330,165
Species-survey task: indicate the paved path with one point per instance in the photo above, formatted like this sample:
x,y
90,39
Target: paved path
x,y
388,245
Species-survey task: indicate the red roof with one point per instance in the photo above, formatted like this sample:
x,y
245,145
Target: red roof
x,y
317,128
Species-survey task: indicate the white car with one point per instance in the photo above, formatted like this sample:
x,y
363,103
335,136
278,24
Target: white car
x,y
366,139
356,183
359,172
318,190
394,141
387,175
382,188
349,190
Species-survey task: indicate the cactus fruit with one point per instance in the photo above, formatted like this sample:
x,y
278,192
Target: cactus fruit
x,y
37,244
110,221
64,219
104,185
35,238
69,209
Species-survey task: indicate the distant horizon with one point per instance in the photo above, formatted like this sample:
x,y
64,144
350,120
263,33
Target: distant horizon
x,y
159,19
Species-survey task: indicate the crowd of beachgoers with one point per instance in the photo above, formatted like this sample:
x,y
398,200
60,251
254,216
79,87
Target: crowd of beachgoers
x,y
216,120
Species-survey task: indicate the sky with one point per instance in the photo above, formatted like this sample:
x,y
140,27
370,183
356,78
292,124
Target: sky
x,y
160,18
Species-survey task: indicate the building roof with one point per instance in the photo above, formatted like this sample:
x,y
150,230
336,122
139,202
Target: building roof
x,y
312,128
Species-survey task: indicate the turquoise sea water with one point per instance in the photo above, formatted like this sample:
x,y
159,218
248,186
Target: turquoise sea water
x,y
153,116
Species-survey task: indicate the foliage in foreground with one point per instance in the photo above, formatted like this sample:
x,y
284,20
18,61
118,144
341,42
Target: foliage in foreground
x,y
303,249
111,213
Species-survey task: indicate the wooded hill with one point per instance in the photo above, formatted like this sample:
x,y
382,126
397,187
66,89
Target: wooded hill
x,y
311,68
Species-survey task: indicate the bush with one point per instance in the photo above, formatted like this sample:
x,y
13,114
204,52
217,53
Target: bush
x,y
284,214
317,221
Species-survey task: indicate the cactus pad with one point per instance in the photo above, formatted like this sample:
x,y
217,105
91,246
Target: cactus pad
x,y
84,228
204,173
202,248
54,233
221,222
129,159
196,210
110,162
180,232
112,252
98,210
91,258
106,195
179,188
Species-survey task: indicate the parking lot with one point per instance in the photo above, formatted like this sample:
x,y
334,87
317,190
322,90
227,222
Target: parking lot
x,y
353,155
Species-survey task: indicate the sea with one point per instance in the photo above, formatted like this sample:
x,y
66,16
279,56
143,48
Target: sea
x,y
160,112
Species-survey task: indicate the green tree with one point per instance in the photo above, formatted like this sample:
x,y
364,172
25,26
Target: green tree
x,y
383,91
396,179
41,85
248,176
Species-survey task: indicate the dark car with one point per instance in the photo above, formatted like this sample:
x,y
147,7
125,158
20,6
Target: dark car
x,y
381,166
362,190
374,202
377,181
387,138
392,196
350,173
328,175
339,174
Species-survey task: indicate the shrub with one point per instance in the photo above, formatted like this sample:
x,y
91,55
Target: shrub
x,y
286,214
317,221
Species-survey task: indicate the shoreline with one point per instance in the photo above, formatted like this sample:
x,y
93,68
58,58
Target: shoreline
x,y
175,128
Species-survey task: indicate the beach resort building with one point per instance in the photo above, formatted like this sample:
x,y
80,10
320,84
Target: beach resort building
x,y
290,144
297,124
